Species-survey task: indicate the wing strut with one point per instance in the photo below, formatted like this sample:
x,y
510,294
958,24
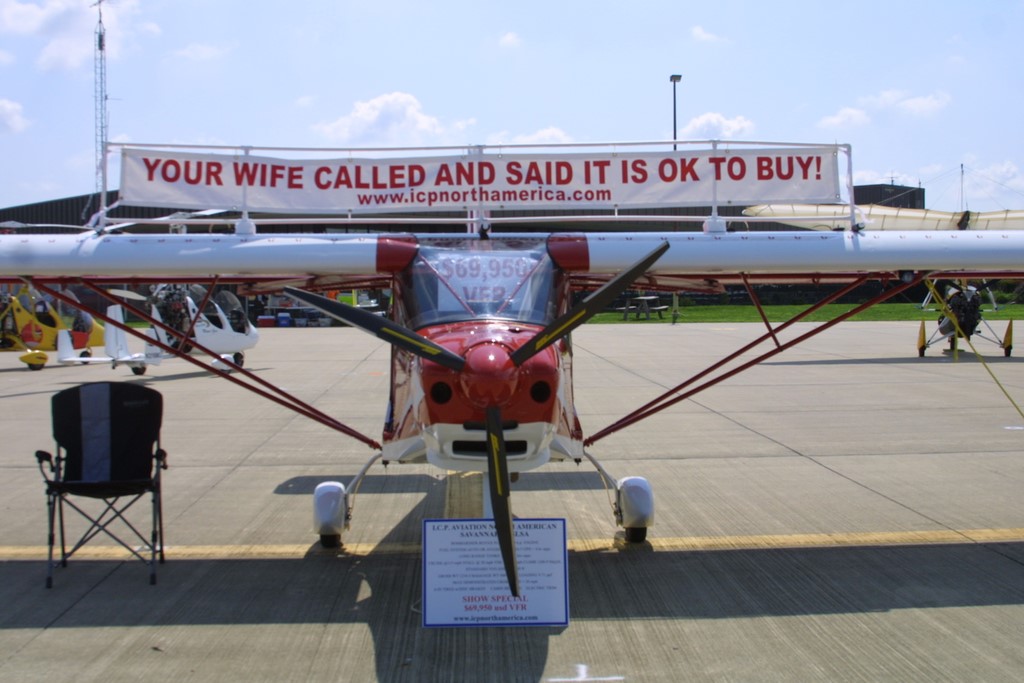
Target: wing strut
x,y
672,396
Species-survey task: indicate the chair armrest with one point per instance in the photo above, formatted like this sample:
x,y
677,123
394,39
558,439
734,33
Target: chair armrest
x,y
161,457
44,457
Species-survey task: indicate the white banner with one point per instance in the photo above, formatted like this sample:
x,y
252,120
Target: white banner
x,y
570,181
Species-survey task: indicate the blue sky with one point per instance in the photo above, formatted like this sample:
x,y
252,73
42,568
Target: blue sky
x,y
918,88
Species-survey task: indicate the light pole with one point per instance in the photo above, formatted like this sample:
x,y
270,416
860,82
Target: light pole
x,y
675,78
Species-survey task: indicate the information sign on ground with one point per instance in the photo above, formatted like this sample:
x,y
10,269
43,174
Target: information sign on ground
x,y
464,581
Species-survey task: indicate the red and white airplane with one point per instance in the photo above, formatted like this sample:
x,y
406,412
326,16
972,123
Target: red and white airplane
x,y
480,322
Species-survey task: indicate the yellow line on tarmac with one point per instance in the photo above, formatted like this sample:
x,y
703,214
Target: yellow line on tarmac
x,y
833,540
679,544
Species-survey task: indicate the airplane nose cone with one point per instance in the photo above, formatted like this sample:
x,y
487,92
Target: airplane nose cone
x,y
489,377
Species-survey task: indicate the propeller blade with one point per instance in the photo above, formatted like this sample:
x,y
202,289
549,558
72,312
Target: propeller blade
x,y
586,309
986,284
126,294
498,479
380,327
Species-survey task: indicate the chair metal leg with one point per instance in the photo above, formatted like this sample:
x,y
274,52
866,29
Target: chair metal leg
x,y
63,543
154,537
50,504
158,521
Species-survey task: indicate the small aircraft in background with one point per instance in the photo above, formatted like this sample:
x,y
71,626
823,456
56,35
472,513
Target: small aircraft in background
x,y
182,316
961,317
30,323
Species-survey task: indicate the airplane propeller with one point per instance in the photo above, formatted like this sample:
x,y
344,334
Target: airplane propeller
x,y
498,477
380,327
586,309
498,480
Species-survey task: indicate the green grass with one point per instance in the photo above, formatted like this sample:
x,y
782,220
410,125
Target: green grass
x,y
749,314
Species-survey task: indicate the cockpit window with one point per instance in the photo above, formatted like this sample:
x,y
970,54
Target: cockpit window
x,y
232,308
462,279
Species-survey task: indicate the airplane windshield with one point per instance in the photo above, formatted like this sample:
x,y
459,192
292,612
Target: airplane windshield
x,y
232,308
462,279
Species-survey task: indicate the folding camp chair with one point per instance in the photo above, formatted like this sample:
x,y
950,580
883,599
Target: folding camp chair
x,y
108,448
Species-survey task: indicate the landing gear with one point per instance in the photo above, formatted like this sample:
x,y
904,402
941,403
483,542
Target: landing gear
x,y
634,503
331,511
330,507
635,508
34,359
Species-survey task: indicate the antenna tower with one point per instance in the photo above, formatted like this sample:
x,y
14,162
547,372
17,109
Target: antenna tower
x,y
100,77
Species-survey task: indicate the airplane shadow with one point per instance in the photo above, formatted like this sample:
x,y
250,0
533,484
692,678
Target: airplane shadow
x,y
382,590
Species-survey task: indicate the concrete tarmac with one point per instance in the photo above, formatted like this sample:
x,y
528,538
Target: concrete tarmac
x,y
845,511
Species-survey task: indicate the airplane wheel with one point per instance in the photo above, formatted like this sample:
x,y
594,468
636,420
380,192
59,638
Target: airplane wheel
x,y
330,540
1007,351
139,371
636,534
920,351
35,366
239,359
86,354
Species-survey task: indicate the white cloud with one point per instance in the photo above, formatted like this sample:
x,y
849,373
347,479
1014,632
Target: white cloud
x,y
305,101
6,58
11,119
882,100
845,118
30,17
715,126
886,100
510,39
700,35
1001,179
393,119
544,136
916,105
924,105
199,52
67,28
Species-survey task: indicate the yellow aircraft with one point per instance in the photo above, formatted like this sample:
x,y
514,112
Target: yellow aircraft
x,y
29,323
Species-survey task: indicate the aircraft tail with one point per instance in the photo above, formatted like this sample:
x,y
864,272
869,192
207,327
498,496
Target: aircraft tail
x,y
115,341
154,354
66,353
